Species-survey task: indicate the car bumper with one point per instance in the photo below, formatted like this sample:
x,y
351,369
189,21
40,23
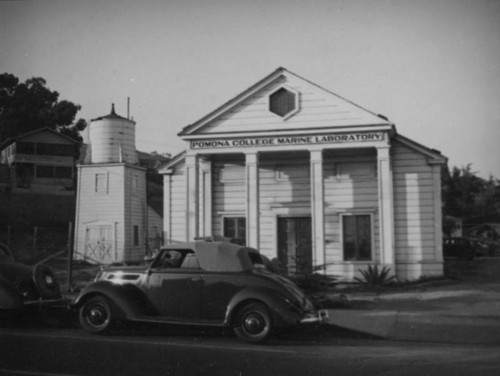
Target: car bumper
x,y
319,317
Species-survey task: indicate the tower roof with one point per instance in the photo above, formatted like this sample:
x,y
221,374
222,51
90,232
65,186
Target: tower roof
x,y
112,115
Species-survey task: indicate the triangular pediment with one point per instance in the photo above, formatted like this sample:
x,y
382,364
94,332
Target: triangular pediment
x,y
308,107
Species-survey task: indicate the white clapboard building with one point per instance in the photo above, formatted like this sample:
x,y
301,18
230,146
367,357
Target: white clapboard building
x,y
309,178
113,219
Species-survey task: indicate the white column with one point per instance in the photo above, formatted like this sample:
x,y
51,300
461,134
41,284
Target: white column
x,y
438,214
386,204
252,198
318,207
167,208
192,208
206,197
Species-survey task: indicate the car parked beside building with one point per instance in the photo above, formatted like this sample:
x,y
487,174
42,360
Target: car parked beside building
x,y
198,283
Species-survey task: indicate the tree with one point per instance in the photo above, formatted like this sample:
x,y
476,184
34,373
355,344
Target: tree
x,y
467,196
31,105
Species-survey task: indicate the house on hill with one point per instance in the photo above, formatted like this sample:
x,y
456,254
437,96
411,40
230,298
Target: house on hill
x,y
42,161
309,178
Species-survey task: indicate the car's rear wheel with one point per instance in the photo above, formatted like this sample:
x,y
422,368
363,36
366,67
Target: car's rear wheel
x,y
96,315
253,323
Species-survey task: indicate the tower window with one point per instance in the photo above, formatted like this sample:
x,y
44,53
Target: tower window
x,y
101,183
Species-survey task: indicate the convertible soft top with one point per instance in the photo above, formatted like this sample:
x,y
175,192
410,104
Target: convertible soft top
x,y
221,256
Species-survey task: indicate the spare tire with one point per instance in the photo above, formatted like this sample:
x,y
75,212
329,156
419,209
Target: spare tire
x,y
46,282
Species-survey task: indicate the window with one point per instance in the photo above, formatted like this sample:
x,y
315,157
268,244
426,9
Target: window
x,y
25,173
25,147
176,258
63,172
63,150
101,183
25,170
44,171
235,228
357,237
135,183
43,148
136,236
283,102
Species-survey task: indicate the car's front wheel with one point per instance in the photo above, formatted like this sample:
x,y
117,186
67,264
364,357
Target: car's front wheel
x,y
253,323
95,315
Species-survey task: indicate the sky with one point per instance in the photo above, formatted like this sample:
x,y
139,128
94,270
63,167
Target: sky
x,y
431,66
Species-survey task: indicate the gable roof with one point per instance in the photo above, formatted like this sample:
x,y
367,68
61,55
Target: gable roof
x,y
166,168
334,110
31,133
435,155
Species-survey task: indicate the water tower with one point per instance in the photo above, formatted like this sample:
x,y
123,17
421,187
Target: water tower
x,y
111,211
112,139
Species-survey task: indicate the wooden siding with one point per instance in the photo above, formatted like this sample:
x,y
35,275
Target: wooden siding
x,y
106,207
282,195
317,109
177,205
228,197
279,196
413,206
122,205
357,195
135,213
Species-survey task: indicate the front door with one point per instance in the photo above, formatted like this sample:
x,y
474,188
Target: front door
x,y
295,244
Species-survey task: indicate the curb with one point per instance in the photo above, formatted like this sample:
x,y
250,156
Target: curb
x,y
437,326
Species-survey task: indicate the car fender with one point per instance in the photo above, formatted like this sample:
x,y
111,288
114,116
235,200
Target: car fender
x,y
281,313
9,298
129,302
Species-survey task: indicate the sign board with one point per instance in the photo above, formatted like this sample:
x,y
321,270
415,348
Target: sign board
x,y
287,140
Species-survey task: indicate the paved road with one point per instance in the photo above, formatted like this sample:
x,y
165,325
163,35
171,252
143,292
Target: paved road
x,y
152,350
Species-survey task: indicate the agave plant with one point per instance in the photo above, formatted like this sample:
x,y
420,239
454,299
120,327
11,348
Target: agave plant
x,y
375,277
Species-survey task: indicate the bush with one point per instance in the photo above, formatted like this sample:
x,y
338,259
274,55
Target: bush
x,y
375,277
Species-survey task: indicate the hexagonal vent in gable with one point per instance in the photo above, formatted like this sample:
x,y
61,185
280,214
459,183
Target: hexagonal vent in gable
x,y
284,102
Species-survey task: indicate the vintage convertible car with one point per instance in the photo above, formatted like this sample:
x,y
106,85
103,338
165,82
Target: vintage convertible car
x,y
23,286
198,283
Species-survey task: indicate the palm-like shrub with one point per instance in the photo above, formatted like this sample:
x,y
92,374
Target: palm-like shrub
x,y
375,277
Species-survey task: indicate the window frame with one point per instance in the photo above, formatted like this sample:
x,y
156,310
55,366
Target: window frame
x,y
371,232
296,102
104,189
135,236
237,227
